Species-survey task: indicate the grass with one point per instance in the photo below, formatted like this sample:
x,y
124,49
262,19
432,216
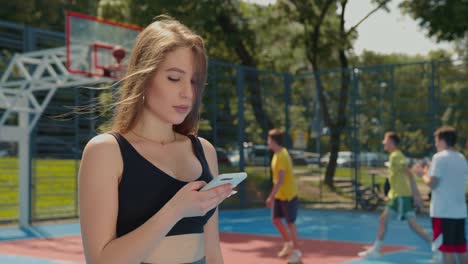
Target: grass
x,y
54,187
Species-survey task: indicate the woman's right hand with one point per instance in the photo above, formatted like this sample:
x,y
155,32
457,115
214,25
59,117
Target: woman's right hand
x,y
189,201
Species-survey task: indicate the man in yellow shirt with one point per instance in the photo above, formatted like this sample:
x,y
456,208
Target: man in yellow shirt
x,y
403,193
283,197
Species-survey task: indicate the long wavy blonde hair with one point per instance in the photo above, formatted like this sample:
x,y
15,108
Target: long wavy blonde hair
x,y
151,48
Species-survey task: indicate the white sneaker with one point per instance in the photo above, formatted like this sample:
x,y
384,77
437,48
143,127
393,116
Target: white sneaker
x,y
287,249
295,256
370,253
436,258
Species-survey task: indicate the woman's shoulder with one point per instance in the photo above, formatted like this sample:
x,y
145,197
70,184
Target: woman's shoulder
x,y
102,143
102,159
208,148
210,155
206,144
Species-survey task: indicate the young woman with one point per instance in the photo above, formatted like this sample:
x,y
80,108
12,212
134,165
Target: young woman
x,y
139,198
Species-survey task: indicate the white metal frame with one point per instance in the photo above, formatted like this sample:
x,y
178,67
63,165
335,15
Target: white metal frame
x,y
27,74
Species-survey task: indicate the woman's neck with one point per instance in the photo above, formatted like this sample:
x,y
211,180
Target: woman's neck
x,y
151,128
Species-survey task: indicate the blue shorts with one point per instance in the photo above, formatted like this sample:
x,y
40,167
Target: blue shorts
x,y
286,209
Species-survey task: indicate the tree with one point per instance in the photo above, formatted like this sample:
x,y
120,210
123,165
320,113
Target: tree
x,y
444,20
237,32
226,30
48,14
325,34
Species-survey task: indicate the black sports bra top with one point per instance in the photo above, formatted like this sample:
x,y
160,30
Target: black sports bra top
x,y
144,189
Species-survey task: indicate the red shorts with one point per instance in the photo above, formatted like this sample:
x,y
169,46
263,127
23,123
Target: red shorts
x,y
449,235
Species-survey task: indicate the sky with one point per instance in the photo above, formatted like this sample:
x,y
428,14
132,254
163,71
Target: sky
x,y
385,32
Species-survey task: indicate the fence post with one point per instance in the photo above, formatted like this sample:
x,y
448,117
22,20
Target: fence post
x,y
355,105
392,91
213,103
76,127
240,129
24,170
287,102
433,111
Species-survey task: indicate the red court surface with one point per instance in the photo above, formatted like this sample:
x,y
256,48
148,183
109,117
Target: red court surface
x,y
237,248
255,249
66,248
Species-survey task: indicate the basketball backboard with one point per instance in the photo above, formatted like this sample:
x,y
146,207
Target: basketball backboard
x,y
98,47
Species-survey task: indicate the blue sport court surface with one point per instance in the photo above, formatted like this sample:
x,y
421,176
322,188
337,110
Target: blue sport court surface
x,y
247,235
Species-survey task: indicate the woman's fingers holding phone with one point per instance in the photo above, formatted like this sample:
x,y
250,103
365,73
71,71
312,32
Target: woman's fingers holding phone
x,y
219,194
209,199
219,191
196,185
189,201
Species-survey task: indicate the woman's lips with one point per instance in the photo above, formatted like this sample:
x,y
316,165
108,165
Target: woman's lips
x,y
182,108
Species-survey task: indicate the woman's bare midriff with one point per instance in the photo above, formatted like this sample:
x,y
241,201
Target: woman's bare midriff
x,y
178,249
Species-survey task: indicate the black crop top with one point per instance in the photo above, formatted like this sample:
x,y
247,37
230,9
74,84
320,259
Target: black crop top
x,y
144,189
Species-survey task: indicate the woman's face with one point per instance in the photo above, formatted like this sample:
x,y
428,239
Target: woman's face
x,y
171,92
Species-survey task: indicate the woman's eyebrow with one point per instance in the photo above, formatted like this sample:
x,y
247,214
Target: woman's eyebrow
x,y
176,70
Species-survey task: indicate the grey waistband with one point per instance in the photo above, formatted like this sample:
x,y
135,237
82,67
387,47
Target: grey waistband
x,y
201,261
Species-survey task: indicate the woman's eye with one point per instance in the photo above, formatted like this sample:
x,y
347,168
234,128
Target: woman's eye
x,y
173,79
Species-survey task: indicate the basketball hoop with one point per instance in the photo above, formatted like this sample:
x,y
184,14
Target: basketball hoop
x,y
98,47
116,71
119,53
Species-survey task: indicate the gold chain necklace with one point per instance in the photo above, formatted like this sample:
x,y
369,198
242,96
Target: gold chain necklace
x,y
154,141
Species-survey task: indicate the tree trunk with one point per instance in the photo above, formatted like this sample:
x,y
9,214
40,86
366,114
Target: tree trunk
x,y
312,39
335,140
247,59
256,101
340,124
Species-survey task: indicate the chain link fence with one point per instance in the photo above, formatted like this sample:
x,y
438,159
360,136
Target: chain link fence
x,y
240,105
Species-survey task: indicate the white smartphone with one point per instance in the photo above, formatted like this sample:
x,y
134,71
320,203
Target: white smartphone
x,y
233,178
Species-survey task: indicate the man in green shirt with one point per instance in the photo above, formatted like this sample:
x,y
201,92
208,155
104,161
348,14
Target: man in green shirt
x,y
402,195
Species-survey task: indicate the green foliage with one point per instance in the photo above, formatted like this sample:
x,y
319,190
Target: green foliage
x,y
118,10
411,98
307,14
48,14
444,20
204,17
280,40
371,58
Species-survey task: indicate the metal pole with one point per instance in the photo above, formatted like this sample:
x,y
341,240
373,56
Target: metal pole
x,y
24,164
240,128
432,104
77,146
287,102
356,142
392,91
91,7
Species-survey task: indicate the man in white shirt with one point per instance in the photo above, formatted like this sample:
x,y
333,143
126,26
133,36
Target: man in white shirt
x,y
447,177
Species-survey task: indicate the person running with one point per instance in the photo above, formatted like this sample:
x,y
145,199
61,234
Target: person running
x,y
403,193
